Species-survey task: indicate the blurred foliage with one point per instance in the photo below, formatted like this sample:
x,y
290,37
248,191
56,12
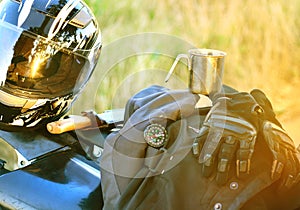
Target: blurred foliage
x,y
261,39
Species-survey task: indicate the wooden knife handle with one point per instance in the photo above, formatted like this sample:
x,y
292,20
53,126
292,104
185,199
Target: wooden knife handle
x,y
69,124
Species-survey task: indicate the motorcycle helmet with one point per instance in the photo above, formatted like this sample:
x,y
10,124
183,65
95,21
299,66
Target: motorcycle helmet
x,y
48,51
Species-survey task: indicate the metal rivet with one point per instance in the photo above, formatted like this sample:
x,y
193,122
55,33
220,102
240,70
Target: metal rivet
x,y
97,151
218,206
234,185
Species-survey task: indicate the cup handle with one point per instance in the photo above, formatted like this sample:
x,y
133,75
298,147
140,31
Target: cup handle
x,y
175,63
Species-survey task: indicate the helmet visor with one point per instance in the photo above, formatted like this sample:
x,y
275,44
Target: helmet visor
x,y
35,67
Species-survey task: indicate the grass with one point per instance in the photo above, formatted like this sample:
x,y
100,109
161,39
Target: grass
x,y
261,39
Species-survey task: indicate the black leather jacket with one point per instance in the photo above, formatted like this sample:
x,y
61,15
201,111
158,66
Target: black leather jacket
x,y
138,176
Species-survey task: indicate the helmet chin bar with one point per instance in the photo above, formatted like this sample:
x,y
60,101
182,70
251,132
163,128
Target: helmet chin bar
x,y
15,101
30,112
49,110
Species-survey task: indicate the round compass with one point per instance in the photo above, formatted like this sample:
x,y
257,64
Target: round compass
x,y
155,135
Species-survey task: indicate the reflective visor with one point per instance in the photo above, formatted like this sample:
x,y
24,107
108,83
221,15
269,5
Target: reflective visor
x,y
35,67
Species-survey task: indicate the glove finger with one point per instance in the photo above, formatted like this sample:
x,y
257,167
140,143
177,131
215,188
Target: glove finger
x,y
276,149
297,160
225,159
277,165
291,169
208,166
244,155
280,165
199,140
212,142
209,153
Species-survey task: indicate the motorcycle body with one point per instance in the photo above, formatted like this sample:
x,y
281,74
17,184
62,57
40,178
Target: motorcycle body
x,y
39,170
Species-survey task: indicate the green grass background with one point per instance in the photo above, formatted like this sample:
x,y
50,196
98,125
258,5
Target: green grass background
x,y
261,39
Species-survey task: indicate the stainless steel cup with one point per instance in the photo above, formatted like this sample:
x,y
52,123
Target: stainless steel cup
x,y
206,68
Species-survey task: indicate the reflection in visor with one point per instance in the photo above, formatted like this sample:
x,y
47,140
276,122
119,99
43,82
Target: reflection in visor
x,y
41,67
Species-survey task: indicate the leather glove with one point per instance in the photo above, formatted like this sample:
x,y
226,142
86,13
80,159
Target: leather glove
x,y
286,161
229,134
229,130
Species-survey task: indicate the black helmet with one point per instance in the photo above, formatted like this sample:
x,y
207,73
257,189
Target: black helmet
x,y
48,50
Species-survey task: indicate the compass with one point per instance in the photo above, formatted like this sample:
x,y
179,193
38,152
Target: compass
x,y
155,135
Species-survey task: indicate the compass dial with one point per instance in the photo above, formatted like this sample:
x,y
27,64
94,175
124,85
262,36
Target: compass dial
x,y
155,135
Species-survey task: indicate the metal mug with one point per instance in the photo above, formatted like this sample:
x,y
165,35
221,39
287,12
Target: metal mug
x,y
206,68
